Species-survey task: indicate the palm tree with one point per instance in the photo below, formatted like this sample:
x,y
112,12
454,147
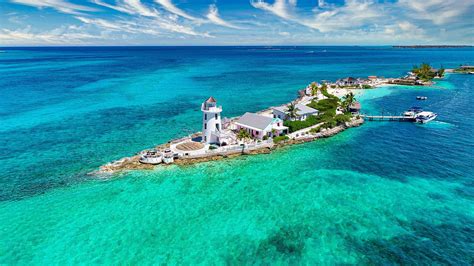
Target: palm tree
x,y
441,72
242,135
314,89
348,100
424,72
292,111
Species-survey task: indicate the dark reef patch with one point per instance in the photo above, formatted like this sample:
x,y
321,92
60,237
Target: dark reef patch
x,y
427,244
286,244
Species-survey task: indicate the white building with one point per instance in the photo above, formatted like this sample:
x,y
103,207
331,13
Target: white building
x,y
350,81
301,115
212,130
211,120
259,126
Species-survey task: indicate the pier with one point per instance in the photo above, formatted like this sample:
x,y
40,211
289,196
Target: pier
x,y
398,118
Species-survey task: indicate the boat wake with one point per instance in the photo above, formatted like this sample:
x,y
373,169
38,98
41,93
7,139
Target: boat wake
x,y
438,124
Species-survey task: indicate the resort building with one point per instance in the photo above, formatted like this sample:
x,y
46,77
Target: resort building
x,y
302,112
350,81
259,126
354,108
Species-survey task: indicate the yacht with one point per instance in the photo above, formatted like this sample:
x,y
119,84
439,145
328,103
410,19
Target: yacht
x,y
151,157
425,117
412,112
168,156
421,98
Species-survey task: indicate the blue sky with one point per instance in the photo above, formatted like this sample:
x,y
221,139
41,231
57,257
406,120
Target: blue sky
x,y
226,22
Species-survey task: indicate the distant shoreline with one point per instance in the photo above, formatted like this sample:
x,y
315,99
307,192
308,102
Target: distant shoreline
x,y
431,46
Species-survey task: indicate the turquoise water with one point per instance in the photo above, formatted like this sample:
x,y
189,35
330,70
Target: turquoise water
x,y
383,193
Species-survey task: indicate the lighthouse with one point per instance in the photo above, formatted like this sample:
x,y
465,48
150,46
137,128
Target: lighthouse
x,y
211,121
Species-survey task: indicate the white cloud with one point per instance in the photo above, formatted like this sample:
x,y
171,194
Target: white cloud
x,y
148,26
321,3
438,11
354,13
105,24
214,17
60,5
139,8
59,36
131,7
327,18
279,8
172,8
156,20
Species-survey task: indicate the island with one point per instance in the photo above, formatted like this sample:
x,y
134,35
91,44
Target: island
x,y
431,46
465,69
321,109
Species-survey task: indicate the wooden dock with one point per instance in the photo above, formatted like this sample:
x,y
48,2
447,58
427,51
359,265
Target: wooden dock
x,y
398,118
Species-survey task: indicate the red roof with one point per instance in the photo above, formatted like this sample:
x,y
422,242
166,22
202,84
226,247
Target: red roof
x,y
355,105
211,100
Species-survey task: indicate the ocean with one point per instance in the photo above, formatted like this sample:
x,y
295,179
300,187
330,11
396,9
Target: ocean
x,y
382,193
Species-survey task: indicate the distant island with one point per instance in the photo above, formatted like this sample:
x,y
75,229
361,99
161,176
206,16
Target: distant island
x,y
431,46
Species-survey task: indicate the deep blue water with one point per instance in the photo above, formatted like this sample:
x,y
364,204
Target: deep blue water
x,y
383,193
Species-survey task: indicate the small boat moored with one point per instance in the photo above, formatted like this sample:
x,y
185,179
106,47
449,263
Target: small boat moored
x,y
151,157
168,156
421,98
425,117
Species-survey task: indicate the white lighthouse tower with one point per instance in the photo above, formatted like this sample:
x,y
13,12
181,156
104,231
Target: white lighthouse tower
x,y
211,121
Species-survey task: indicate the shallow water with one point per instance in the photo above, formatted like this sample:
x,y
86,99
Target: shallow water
x,y
386,192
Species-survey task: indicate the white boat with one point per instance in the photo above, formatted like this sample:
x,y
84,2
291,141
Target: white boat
x,y
425,117
151,157
412,112
421,98
168,156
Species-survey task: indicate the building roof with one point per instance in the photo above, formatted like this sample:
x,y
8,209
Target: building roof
x,y
255,121
303,109
355,105
348,79
211,100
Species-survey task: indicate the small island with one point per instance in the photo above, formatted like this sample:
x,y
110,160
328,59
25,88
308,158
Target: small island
x,y
321,110
422,75
466,69
431,46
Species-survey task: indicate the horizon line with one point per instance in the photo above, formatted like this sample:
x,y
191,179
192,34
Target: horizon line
x,y
253,45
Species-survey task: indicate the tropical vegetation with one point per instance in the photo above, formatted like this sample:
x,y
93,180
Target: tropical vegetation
x,y
280,139
426,73
327,112
347,101
292,111
242,135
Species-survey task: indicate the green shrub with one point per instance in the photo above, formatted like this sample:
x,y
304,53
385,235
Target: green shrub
x,y
365,86
329,124
315,130
325,104
342,118
265,137
297,125
280,138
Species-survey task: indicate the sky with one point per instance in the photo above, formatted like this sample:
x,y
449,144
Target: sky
x,y
235,22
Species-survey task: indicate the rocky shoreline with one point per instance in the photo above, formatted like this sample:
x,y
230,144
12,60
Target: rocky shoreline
x,y
133,163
